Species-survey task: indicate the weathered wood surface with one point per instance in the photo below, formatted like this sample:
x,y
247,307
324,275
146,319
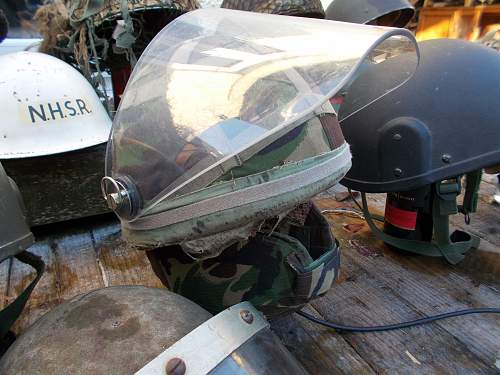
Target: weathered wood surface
x,y
377,286
60,187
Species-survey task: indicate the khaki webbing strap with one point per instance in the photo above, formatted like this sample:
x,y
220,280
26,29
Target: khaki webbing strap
x,y
471,196
11,313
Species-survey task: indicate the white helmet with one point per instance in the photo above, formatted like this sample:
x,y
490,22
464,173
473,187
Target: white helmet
x,y
47,107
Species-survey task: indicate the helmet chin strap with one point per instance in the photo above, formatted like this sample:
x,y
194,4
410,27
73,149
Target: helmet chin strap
x,y
452,247
11,312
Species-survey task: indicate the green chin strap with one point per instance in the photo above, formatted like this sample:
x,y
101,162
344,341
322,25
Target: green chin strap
x,y
452,247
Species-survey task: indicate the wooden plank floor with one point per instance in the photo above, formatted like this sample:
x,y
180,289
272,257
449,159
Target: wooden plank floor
x,y
377,286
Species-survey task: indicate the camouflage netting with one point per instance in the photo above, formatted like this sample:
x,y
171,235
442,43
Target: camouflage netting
x,y
95,35
300,8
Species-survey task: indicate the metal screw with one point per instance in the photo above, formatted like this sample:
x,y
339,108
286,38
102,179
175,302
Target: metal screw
x,y
398,172
397,137
175,366
246,316
446,158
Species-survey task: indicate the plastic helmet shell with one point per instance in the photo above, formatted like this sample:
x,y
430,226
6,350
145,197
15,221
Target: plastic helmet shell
x,y
440,124
396,13
47,107
15,235
115,330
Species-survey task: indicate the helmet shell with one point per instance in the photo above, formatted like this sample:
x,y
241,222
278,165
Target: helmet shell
x,y
442,123
15,235
115,330
47,107
301,8
397,13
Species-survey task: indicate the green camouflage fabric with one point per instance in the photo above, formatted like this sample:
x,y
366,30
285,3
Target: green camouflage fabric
x,y
87,34
300,8
284,266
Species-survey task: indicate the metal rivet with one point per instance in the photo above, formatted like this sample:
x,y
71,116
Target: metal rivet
x,y
398,172
446,158
397,137
246,316
175,366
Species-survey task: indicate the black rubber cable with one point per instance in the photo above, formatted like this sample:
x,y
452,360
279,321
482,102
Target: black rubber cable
x,y
390,327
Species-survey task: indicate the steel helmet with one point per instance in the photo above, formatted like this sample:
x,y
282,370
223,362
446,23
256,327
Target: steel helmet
x,y
48,107
15,238
300,8
139,330
396,13
15,235
418,140
215,92
106,37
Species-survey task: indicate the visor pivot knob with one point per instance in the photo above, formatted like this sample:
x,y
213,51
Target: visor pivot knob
x,y
116,195
115,200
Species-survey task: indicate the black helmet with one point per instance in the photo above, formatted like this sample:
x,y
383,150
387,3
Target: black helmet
x,y
396,13
416,142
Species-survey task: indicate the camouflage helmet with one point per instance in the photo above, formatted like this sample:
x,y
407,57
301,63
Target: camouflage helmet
x,y
300,8
224,131
236,126
279,269
99,35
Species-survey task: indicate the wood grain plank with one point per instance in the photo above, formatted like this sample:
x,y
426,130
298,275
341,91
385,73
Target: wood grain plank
x,y
76,270
481,265
429,284
360,299
318,349
122,264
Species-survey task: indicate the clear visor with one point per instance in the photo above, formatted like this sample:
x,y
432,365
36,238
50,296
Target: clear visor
x,y
216,86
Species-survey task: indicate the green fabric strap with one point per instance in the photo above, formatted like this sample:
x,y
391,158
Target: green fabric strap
x,y
473,180
11,313
444,204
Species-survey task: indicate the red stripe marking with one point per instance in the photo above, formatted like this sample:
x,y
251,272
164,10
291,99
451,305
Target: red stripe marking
x,y
400,218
